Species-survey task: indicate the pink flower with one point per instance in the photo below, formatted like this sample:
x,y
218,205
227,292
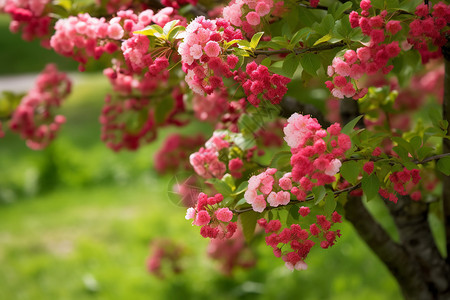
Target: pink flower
x,y
196,51
115,31
253,18
190,213
202,218
368,167
212,49
262,9
224,214
304,211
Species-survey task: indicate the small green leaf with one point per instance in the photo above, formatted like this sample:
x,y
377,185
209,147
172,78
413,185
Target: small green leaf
x,y
342,8
293,216
323,39
370,186
153,30
350,171
248,221
255,39
299,35
169,26
241,188
443,165
311,63
221,186
330,203
348,128
176,33
290,65
319,193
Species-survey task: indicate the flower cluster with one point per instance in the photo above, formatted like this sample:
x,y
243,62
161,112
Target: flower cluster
x,y
33,118
429,31
403,181
174,154
296,243
30,16
233,252
214,220
119,129
201,54
315,158
206,161
366,60
264,183
247,14
258,83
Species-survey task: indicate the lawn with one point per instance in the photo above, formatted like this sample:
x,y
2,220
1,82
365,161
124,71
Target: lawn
x,y
76,221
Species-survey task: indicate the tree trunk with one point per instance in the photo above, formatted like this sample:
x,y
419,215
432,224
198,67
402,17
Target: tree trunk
x,y
415,262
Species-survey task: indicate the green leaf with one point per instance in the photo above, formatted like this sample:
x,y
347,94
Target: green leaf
x,y
323,39
443,165
348,128
176,33
319,193
342,28
266,61
153,30
330,203
221,186
370,186
169,26
248,221
299,35
290,65
310,63
255,39
293,216
228,179
241,188
423,152
350,171
342,8
281,160
404,144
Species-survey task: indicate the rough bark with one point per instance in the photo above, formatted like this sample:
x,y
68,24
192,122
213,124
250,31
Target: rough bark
x,y
396,258
411,219
415,262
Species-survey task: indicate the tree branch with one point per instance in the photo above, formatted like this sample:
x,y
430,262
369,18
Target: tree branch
x,y
394,256
299,51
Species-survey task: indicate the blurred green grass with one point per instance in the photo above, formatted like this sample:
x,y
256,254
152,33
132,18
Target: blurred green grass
x,y
76,220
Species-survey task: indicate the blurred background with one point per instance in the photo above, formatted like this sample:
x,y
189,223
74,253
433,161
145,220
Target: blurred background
x,y
78,221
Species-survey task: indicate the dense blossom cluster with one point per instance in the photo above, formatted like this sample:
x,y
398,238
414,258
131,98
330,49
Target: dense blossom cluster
x,y
206,161
202,54
214,220
264,183
365,60
258,82
296,242
231,253
429,30
174,154
247,14
30,16
119,129
33,118
316,153
403,183
178,3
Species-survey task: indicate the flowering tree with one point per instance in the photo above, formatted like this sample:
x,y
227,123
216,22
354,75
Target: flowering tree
x,y
317,107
